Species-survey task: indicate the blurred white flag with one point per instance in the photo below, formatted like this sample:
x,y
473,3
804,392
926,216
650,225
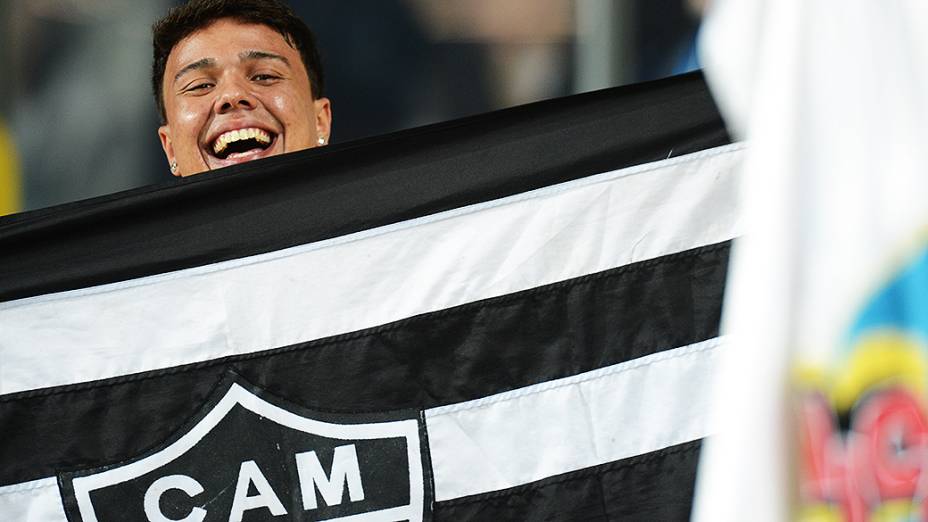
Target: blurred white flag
x,y
822,402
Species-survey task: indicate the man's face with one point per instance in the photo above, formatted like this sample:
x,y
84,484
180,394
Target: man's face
x,y
236,92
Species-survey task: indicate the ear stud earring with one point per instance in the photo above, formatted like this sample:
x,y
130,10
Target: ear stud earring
x,y
321,140
173,167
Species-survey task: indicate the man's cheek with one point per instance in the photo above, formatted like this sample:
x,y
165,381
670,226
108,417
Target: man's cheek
x,y
189,115
297,119
281,102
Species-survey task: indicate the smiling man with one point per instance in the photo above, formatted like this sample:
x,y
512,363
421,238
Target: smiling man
x,y
236,80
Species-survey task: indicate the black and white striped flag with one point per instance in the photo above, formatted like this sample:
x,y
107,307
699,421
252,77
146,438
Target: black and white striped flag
x,y
508,317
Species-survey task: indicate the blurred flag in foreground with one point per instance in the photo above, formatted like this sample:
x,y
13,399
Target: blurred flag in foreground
x,y
822,402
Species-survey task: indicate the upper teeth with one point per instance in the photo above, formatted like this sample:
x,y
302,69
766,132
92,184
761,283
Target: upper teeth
x,y
226,138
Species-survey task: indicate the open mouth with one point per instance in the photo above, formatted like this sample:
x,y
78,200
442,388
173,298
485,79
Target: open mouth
x,y
241,142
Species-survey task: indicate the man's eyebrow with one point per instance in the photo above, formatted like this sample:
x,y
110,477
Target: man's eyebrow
x,y
262,55
202,63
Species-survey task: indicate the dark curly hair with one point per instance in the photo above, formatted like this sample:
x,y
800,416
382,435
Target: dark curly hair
x,y
182,21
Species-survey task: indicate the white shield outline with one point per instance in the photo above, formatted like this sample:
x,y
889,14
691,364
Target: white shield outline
x,y
238,395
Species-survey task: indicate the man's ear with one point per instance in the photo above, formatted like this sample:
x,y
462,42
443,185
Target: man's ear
x,y
323,110
164,133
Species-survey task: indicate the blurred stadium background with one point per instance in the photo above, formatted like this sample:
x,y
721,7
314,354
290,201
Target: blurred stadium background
x,y
77,118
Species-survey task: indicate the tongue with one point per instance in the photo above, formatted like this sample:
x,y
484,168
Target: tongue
x,y
248,152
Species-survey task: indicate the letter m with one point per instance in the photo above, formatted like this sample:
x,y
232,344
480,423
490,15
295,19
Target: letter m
x,y
345,469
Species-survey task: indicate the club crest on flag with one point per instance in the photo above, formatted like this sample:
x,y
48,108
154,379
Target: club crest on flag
x,y
864,425
251,456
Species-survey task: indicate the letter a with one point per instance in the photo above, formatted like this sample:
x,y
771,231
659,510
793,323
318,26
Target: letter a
x,y
345,468
249,474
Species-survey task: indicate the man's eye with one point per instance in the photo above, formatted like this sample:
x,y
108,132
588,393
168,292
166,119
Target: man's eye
x,y
265,77
200,86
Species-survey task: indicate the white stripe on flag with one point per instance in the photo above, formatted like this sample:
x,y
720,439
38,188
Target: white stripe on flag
x,y
505,440
36,501
612,413
373,277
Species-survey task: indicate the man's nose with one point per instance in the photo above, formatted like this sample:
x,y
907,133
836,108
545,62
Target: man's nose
x,y
234,96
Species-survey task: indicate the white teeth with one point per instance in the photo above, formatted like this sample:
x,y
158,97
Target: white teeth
x,y
226,138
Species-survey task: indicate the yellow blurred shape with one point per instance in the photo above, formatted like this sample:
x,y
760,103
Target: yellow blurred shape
x,y
807,376
880,359
820,513
10,191
895,511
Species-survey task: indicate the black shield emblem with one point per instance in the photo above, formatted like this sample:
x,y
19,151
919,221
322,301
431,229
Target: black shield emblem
x,y
249,456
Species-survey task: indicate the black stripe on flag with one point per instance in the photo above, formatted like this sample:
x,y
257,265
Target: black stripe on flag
x,y
322,193
654,486
434,359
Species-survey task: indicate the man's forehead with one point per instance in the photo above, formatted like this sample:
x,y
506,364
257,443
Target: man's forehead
x,y
228,39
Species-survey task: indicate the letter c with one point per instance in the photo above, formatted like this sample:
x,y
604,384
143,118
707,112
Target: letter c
x,y
182,482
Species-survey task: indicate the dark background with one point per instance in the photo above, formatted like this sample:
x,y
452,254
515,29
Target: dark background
x,y
77,117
